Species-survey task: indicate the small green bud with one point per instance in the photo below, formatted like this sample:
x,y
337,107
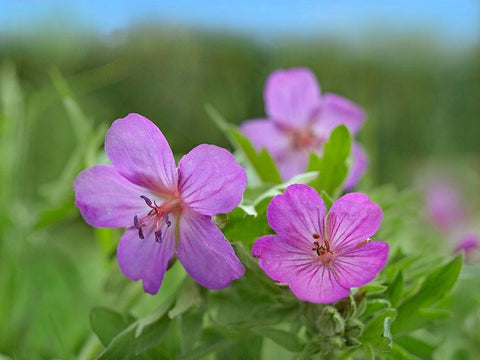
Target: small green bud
x,y
331,322
352,342
353,328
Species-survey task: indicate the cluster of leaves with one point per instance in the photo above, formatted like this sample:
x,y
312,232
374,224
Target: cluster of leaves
x,y
257,318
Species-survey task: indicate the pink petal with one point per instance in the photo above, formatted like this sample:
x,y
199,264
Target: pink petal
x,y
297,215
318,284
358,266
145,258
292,97
140,153
107,199
266,134
205,253
359,165
293,162
335,111
281,260
352,219
298,266
210,180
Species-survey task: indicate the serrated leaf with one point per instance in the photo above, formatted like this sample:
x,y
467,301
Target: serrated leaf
x,y
107,323
285,339
373,288
332,166
416,346
376,305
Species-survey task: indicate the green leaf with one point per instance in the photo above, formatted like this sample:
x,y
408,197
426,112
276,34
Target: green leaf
x,y
399,353
262,162
190,328
435,286
248,347
140,336
373,288
332,166
287,340
416,346
377,331
107,323
188,296
395,290
376,305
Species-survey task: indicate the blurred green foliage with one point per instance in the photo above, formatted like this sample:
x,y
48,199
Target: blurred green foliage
x,y
60,91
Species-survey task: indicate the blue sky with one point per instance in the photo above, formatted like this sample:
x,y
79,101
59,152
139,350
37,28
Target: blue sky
x,y
452,21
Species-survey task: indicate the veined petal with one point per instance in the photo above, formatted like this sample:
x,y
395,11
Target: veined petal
x,y
337,110
359,165
292,97
358,266
351,220
266,134
140,153
205,253
145,258
107,199
318,284
279,259
293,162
297,215
210,180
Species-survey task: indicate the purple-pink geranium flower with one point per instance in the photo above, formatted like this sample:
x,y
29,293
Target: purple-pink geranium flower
x,y
444,205
166,209
321,256
300,120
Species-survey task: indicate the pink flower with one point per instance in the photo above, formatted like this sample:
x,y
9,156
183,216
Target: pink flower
x,y
300,120
444,205
166,209
321,257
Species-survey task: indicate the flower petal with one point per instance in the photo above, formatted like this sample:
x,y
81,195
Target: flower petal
x,y
293,162
266,134
107,199
318,284
140,153
210,180
280,259
359,165
292,97
145,258
297,215
205,253
359,265
288,262
352,219
337,110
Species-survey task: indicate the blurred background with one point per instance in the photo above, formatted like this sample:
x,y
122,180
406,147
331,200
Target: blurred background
x,y
68,69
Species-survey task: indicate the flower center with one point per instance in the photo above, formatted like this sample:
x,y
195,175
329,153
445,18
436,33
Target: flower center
x,y
305,139
157,218
325,254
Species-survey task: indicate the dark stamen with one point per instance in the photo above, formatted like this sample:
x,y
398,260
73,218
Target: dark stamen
x,y
140,233
135,222
147,200
167,220
316,236
158,236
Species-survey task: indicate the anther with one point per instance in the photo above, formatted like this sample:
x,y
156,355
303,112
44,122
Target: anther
x,y
158,236
135,222
316,236
140,233
167,220
147,200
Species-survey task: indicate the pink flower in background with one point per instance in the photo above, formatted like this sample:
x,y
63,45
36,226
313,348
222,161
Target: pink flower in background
x,y
444,206
468,243
321,256
300,120
166,209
